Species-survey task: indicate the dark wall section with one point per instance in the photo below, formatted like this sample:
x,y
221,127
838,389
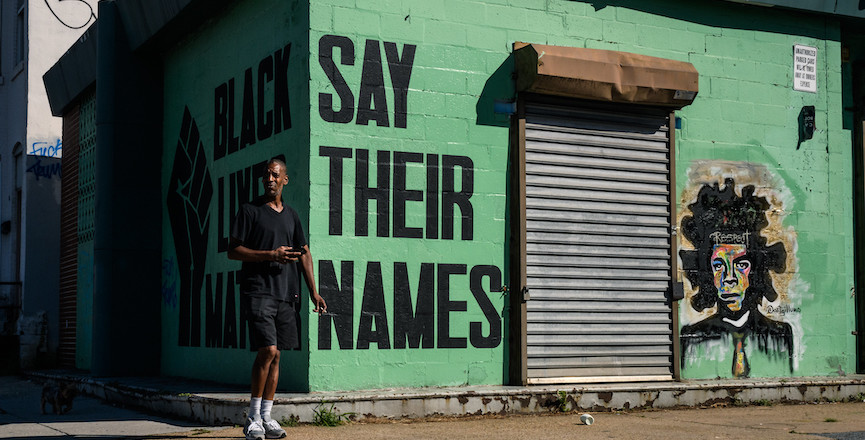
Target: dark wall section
x,y
128,220
853,69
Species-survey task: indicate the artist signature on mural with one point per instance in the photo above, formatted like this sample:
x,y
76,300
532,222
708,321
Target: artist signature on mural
x,y
782,310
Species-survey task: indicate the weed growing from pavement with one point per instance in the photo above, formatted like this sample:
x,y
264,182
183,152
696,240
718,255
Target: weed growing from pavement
x,y
762,402
291,421
562,402
324,415
830,420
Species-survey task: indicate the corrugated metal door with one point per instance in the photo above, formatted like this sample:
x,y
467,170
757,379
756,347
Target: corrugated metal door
x,y
598,247
69,240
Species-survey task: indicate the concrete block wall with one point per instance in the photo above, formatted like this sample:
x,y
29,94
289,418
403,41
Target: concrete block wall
x,y
743,125
407,168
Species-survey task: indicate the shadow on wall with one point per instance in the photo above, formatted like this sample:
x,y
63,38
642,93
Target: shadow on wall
x,y
499,87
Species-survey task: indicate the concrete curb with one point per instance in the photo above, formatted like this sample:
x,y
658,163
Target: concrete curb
x,y
221,408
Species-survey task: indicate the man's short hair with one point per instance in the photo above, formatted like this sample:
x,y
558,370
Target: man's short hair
x,y
279,160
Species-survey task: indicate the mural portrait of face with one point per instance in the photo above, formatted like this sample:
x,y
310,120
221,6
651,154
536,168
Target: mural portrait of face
x,y
728,262
730,268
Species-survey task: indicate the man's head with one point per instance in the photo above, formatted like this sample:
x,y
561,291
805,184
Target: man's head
x,y
730,269
731,260
274,177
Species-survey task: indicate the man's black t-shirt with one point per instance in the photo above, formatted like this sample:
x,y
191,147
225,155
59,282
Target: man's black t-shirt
x,y
258,227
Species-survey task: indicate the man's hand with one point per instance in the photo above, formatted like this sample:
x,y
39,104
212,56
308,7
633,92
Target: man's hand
x,y
285,254
320,305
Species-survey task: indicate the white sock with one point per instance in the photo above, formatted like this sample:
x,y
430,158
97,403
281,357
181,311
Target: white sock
x,y
266,406
254,407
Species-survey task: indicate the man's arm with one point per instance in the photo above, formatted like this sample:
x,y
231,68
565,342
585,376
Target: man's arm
x,y
282,254
308,273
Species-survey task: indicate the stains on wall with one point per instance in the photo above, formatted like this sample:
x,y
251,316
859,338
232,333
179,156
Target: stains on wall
x,y
740,263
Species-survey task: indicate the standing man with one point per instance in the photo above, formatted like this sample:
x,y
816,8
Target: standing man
x,y
268,238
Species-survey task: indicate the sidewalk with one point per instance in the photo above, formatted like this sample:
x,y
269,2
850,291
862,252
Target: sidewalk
x,y
90,418
219,404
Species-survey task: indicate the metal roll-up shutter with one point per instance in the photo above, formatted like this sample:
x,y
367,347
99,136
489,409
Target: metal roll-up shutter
x,y
69,240
597,185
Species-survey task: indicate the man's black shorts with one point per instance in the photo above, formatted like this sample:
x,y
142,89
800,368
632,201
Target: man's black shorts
x,y
272,322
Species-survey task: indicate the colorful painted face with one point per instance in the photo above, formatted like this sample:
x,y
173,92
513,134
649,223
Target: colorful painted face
x,y
731,266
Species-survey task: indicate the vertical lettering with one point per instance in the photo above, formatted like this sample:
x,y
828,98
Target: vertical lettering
x,y
400,75
401,195
340,304
247,121
281,104
242,180
363,193
372,311
233,141
445,306
451,198
432,196
254,173
416,327
336,156
243,314
346,99
265,119
492,316
372,88
220,121
222,242
213,312
229,330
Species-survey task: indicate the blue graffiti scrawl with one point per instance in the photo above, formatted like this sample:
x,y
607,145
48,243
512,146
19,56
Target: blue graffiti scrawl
x,y
47,170
47,149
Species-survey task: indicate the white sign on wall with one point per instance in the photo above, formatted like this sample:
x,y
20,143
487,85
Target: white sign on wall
x,y
805,68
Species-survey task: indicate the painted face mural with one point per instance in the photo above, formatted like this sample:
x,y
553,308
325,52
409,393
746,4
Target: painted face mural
x,y
731,268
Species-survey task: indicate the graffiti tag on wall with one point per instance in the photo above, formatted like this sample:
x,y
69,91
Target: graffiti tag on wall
x,y
740,265
49,149
47,170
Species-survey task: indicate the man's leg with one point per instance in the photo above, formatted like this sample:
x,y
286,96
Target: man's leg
x,y
262,383
262,312
265,372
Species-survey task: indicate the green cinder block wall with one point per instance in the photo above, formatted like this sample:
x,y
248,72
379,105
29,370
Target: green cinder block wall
x,y
402,175
235,95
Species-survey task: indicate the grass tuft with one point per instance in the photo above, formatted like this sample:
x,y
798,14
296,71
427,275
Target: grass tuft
x,y
324,415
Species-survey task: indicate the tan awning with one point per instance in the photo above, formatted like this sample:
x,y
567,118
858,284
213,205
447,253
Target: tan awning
x,y
604,75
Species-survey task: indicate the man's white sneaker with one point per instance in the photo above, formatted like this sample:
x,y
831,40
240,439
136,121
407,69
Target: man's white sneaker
x,y
272,429
254,430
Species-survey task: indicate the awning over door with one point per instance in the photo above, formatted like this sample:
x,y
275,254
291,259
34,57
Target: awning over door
x,y
604,75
